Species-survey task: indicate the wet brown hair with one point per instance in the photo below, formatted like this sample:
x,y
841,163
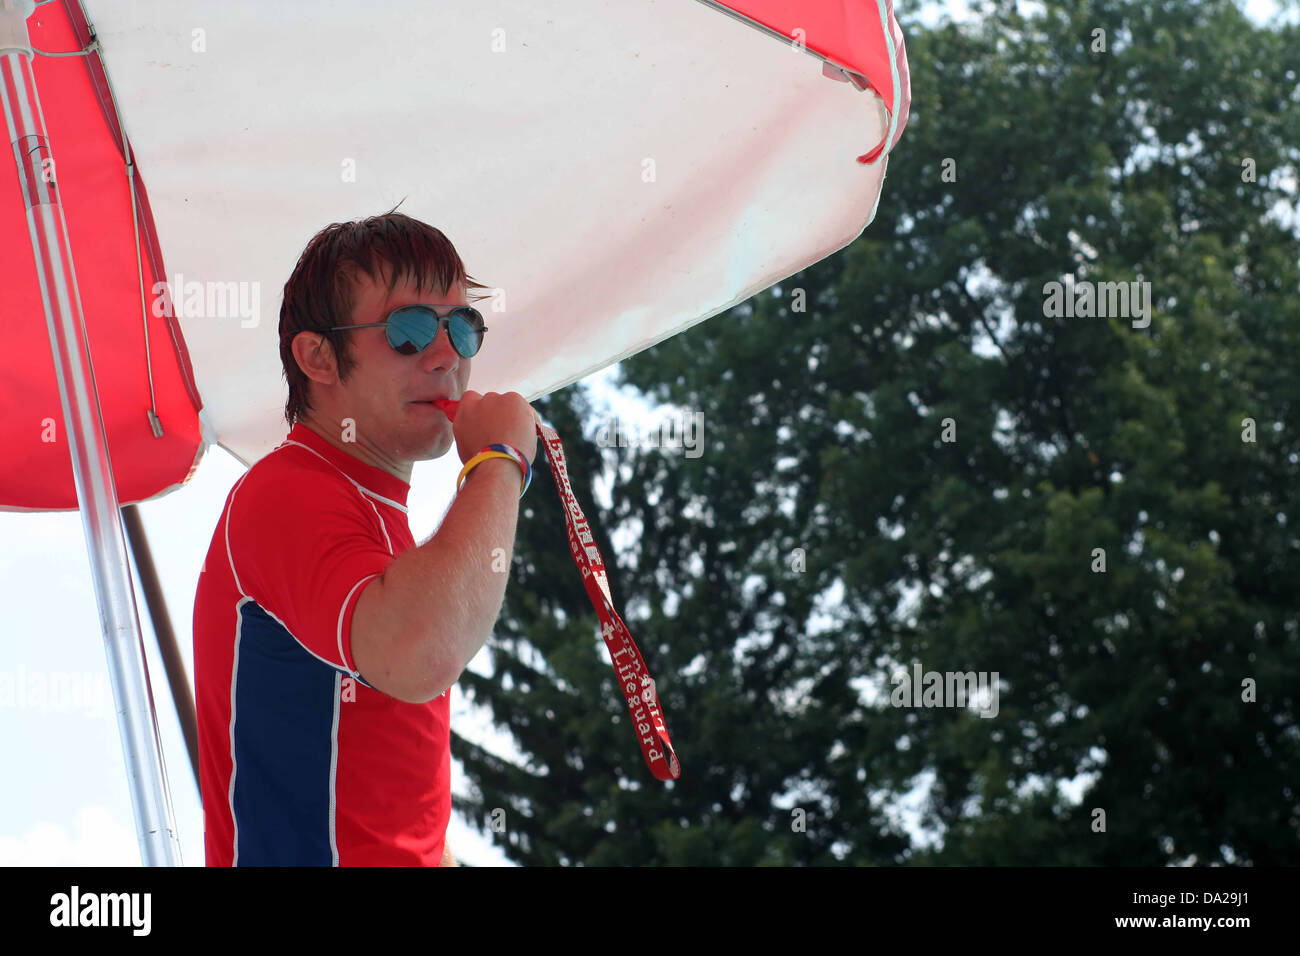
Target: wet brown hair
x,y
321,291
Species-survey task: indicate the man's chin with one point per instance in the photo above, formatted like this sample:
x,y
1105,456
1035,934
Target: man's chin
x,y
431,448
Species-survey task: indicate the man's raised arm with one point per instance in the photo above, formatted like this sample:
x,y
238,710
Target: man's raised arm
x,y
418,625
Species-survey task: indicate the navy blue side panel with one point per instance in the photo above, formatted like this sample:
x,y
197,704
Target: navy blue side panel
x,y
284,716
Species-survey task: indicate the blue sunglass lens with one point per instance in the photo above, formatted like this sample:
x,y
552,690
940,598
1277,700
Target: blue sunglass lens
x,y
413,330
466,329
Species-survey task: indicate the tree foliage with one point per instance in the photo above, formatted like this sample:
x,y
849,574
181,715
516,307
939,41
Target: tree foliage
x,y
1120,690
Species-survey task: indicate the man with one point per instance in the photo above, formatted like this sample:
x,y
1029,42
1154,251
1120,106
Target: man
x,y
325,641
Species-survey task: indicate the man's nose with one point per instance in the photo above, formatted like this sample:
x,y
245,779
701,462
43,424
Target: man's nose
x,y
440,356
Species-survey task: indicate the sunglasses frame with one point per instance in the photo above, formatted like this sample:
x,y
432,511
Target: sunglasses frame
x,y
444,322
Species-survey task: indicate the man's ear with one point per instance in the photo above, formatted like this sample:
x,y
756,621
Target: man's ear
x,y
315,356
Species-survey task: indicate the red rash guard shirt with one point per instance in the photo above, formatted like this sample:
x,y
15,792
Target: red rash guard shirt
x,y
301,762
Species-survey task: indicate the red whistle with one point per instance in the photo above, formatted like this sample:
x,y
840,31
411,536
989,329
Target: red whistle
x,y
448,407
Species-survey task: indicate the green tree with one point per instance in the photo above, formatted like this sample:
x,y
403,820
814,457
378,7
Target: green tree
x,y
908,459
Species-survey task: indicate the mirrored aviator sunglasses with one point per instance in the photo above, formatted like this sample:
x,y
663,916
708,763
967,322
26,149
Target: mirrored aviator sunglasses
x,y
413,328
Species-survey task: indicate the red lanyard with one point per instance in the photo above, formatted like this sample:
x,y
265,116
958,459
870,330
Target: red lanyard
x,y
634,678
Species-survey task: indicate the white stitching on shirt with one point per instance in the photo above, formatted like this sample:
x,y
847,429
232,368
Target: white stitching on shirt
x,y
334,768
359,486
343,657
229,557
234,769
382,527
240,588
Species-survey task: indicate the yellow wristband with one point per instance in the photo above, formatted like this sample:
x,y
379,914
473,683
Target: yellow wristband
x,y
479,459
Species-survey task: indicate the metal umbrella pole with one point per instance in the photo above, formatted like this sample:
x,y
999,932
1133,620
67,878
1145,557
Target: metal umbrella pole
x,y
83,421
154,600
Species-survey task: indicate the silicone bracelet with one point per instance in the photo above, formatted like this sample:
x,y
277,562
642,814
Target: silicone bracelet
x,y
479,459
518,456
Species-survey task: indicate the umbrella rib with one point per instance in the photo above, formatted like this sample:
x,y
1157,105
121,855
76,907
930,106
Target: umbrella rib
x,y
849,74
155,424
93,46
86,52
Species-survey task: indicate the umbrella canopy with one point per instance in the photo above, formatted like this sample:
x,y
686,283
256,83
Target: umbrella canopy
x,y
616,173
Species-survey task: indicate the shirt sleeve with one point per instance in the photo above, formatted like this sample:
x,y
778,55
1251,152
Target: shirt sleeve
x,y
304,550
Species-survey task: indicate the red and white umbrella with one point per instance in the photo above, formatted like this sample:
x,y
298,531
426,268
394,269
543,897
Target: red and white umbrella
x,y
615,173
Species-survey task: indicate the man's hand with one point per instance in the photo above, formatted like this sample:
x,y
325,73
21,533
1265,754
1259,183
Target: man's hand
x,y
505,417
447,858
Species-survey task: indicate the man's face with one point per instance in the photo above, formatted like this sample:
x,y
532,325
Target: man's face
x,y
388,394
